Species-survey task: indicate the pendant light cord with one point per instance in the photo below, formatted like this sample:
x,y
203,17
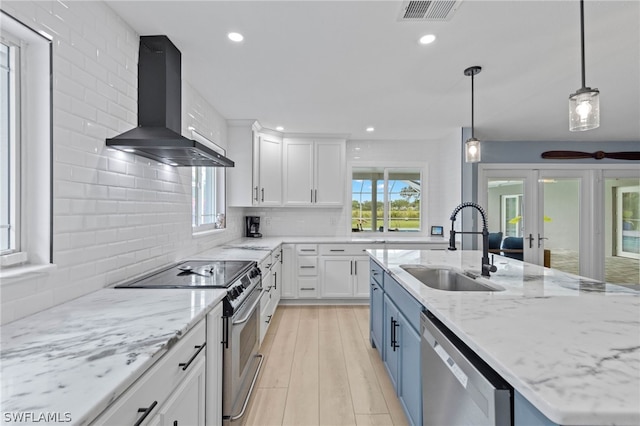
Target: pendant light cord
x,y
472,105
581,44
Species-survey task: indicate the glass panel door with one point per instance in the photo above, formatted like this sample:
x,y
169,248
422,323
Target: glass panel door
x,y
622,230
506,200
560,221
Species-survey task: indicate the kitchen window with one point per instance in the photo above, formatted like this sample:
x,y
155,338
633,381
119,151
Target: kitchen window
x,y
9,145
25,148
208,210
386,199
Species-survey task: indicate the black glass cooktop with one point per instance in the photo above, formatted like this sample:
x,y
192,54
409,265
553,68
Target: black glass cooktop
x,y
194,273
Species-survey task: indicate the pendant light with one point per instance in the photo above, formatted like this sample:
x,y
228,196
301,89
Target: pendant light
x,y
584,105
472,145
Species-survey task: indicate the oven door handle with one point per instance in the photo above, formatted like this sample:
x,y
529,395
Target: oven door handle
x,y
250,311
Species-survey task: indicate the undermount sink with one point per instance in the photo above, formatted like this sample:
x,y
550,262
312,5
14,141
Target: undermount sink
x,y
448,279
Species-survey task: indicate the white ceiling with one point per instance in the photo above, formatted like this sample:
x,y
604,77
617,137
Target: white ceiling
x,y
341,66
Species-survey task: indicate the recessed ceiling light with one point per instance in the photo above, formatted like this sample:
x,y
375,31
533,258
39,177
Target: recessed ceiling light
x,y
237,37
370,129
279,128
427,39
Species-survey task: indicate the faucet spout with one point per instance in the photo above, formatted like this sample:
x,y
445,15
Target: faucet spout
x,y
487,266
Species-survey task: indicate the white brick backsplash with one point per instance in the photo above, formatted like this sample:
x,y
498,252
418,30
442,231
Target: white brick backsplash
x,y
116,215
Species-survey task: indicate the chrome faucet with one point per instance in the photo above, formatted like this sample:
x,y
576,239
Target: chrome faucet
x,y
486,265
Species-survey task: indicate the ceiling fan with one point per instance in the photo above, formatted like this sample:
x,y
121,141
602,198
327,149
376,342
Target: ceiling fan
x,y
598,155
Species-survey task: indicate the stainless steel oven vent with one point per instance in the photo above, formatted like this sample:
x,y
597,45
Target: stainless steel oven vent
x,y
429,10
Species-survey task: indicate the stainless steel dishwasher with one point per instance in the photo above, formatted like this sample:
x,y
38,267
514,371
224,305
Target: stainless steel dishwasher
x,y
459,388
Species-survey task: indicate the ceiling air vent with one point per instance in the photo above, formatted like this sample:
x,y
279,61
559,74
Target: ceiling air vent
x,y
433,10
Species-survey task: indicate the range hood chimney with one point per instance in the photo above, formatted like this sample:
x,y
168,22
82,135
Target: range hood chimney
x,y
159,112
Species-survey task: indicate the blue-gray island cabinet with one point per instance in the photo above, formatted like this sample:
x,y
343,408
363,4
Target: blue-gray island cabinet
x,y
395,332
569,346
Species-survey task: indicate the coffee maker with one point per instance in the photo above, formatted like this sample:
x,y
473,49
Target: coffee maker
x,y
252,226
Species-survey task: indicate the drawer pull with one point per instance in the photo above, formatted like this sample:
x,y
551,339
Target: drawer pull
x,y
307,249
336,250
307,288
186,365
146,411
307,267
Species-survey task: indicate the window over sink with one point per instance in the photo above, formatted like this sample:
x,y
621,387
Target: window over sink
x,y
386,199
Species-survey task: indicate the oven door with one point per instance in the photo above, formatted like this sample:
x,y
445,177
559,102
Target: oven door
x,y
241,359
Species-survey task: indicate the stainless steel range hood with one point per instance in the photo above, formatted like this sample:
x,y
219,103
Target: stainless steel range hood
x,y
159,112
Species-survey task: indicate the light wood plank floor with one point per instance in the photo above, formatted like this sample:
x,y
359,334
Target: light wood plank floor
x,y
320,369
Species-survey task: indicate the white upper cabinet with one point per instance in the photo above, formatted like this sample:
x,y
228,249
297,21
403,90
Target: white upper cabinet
x,y
268,185
313,172
256,179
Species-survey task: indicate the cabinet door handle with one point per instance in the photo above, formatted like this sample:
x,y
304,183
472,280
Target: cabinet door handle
x,y
374,287
275,280
146,411
268,319
530,238
355,267
255,188
316,193
311,195
374,272
262,190
351,265
394,337
186,365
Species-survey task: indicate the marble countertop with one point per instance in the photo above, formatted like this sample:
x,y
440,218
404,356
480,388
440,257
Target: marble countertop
x,y
569,345
76,358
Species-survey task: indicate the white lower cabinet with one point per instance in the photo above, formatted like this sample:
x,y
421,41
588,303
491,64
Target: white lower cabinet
x,y
186,406
272,289
214,367
171,390
344,271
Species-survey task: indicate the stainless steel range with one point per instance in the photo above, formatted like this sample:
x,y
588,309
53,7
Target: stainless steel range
x,y
241,313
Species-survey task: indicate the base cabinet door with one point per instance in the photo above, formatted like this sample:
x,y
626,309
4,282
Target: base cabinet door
x,y
336,275
361,277
288,273
187,404
389,345
376,310
410,389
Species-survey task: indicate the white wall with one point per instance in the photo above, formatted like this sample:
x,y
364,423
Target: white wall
x,y
442,158
115,215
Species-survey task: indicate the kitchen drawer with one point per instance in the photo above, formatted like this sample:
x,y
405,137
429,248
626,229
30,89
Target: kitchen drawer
x,y
307,287
266,263
377,273
405,302
307,249
343,249
307,266
155,386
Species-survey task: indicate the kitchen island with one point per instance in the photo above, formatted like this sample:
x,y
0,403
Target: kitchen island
x,y
568,345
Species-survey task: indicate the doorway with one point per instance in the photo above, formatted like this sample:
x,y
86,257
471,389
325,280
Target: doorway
x,y
577,220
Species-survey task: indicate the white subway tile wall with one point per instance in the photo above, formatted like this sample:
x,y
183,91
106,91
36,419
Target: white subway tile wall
x,y
115,215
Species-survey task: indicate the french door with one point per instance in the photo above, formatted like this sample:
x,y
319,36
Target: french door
x,y
579,220
543,215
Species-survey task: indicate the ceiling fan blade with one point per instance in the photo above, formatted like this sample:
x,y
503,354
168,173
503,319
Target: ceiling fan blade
x,y
625,155
566,155
598,155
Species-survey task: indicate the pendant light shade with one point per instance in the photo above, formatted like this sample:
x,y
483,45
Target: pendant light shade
x,y
584,109
584,104
472,145
472,150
